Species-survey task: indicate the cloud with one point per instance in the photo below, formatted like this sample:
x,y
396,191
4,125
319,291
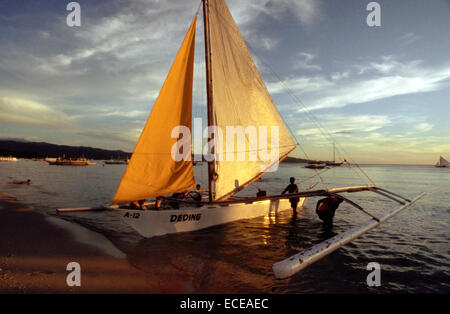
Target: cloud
x,y
400,147
253,15
374,89
116,54
337,76
423,127
302,84
265,42
409,38
306,11
304,60
380,147
387,64
21,112
129,136
97,113
375,138
380,79
345,124
27,116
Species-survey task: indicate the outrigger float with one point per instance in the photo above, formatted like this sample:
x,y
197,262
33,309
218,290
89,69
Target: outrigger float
x,y
236,96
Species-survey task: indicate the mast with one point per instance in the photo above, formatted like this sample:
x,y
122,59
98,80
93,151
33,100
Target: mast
x,y
334,154
208,91
240,98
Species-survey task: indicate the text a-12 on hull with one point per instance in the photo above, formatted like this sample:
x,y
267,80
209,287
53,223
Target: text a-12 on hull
x,y
236,95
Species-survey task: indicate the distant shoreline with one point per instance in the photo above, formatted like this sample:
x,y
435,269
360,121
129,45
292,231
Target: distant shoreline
x,y
40,150
29,150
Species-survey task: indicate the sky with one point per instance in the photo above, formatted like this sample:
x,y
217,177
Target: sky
x,y
382,93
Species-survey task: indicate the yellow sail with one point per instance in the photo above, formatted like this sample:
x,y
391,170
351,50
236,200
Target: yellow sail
x,y
152,171
240,98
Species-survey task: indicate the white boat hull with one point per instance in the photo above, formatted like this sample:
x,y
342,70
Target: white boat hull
x,y
153,223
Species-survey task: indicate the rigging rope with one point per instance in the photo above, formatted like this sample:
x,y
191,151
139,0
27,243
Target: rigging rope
x,y
325,133
228,24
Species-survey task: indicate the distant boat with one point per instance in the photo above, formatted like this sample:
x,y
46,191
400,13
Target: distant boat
x,y
21,182
117,162
333,163
51,161
442,163
316,166
10,158
72,162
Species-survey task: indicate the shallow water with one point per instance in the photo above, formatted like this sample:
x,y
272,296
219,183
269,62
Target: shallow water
x,y
412,248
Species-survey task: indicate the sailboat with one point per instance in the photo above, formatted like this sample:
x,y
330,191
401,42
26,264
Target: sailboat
x,y
442,163
236,95
316,166
334,163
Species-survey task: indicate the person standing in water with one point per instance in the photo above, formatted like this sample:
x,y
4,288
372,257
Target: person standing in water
x,y
292,188
326,208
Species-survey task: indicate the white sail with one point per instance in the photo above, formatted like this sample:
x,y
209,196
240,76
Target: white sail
x,y
240,98
443,162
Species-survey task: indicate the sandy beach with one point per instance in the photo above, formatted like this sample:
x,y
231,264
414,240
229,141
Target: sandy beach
x,y
35,250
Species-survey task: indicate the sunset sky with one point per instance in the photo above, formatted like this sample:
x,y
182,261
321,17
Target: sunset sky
x,y
382,92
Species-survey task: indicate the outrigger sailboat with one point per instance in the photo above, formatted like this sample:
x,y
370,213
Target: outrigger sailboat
x,y
334,163
236,95
442,163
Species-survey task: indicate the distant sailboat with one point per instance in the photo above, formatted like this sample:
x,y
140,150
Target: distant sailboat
x,y
334,163
316,166
442,163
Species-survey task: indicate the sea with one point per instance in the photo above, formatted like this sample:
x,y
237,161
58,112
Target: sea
x,y
412,248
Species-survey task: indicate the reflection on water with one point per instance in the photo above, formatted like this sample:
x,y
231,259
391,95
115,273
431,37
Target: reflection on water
x,y
412,248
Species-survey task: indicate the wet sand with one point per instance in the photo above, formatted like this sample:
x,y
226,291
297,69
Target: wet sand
x,y
35,250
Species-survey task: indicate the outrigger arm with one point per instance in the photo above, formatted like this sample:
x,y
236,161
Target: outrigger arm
x,y
308,193
354,205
